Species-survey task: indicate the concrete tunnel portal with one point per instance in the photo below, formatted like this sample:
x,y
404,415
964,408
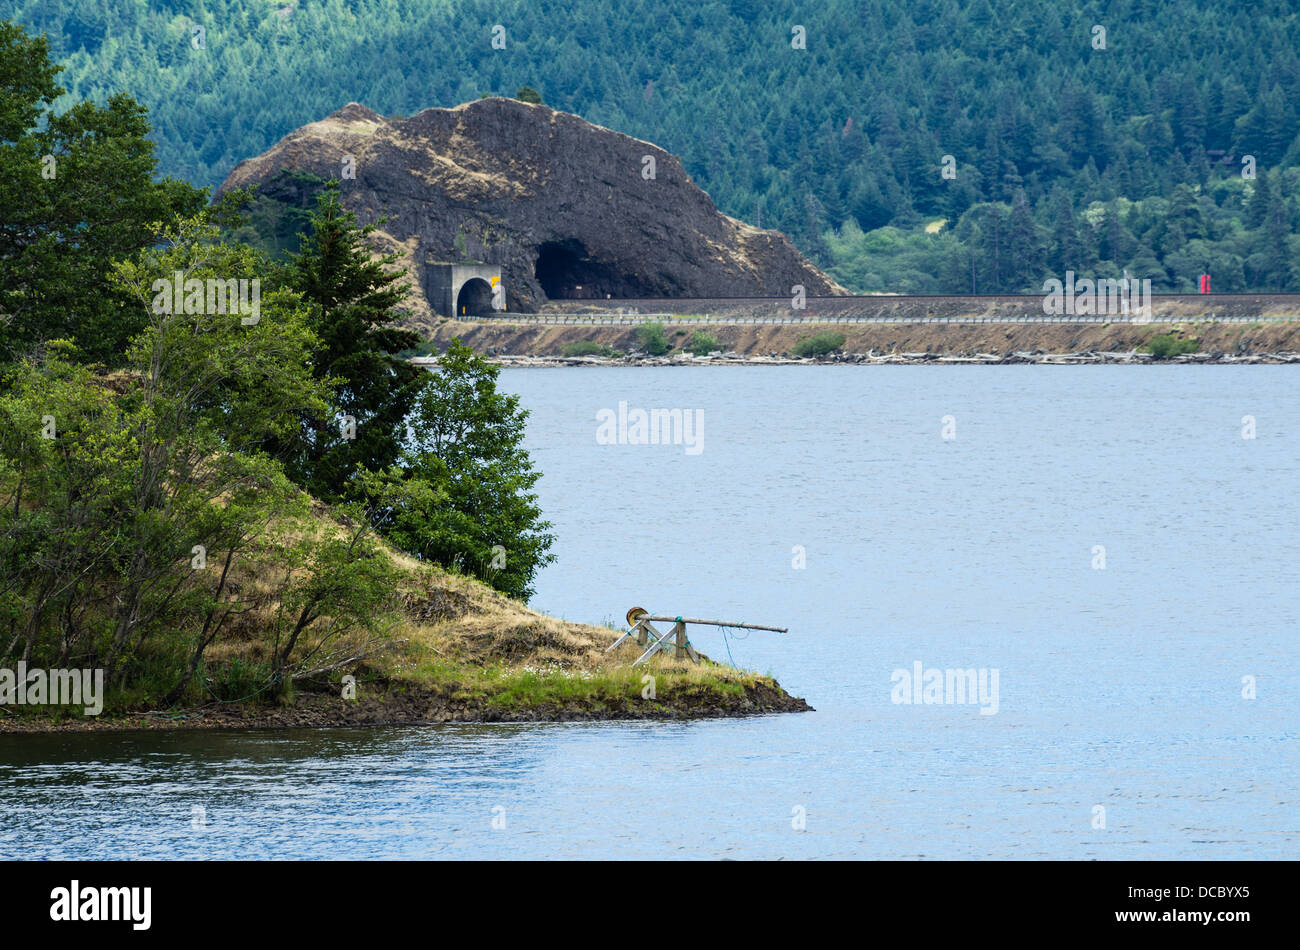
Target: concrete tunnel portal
x,y
475,298
464,290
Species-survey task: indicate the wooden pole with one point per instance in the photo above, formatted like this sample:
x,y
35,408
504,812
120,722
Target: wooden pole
x,y
716,623
684,644
655,648
638,632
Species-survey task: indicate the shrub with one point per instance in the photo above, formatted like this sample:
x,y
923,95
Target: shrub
x,y
702,344
464,492
1167,345
819,345
589,348
653,339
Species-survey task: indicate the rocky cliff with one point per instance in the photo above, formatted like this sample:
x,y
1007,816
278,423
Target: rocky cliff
x,y
566,208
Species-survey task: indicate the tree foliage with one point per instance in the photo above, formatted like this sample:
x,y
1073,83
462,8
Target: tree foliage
x,y
145,512
463,496
77,193
128,499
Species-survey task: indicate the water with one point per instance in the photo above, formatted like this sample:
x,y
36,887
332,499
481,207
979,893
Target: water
x,y
1119,687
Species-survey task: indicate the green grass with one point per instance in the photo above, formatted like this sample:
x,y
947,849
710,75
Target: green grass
x,y
519,690
523,688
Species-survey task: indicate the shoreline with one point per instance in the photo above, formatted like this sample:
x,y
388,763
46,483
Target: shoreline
x,y
402,705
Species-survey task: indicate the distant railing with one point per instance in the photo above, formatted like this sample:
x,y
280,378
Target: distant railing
x,y
571,320
894,308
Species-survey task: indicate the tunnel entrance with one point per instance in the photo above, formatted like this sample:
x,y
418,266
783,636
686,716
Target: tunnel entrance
x,y
566,272
475,298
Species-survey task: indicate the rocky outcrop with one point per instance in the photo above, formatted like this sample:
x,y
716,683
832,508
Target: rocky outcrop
x,y
566,208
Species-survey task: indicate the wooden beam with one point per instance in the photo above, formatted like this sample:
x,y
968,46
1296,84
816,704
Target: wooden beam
x,y
658,645
636,631
661,641
716,623
650,629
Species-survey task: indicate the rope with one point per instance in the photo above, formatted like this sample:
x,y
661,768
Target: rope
x,y
733,633
726,641
727,634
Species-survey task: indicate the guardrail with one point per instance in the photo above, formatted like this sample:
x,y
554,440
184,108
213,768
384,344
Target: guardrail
x,y
895,308
717,319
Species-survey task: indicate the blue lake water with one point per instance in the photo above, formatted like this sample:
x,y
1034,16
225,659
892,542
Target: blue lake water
x,y
1120,687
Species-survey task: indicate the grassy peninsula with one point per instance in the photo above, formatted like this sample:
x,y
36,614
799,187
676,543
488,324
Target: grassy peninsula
x,y
449,648
225,496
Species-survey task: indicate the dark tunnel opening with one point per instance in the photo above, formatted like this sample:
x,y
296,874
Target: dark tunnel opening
x,y
566,272
475,298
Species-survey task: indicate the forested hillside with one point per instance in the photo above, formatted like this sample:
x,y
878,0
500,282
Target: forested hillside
x,y
1072,147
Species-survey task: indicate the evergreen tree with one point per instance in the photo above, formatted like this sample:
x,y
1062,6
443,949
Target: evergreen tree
x,y
354,301
1112,237
1024,247
1066,250
1277,250
76,196
1262,200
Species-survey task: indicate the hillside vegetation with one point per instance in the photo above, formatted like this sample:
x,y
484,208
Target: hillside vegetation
x,y
1072,149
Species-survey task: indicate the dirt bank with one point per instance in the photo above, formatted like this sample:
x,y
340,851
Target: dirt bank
x,y
398,704
951,339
